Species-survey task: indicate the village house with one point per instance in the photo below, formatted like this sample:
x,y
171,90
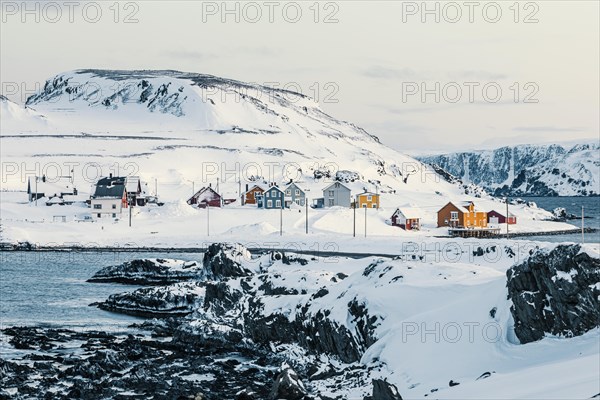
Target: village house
x,y
367,200
407,218
206,197
272,198
461,215
109,198
336,194
53,189
250,196
135,194
495,218
294,195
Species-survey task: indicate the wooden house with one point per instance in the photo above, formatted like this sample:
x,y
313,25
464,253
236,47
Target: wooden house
x,y
461,215
336,194
367,200
294,195
206,197
495,218
272,198
250,196
42,186
407,218
109,198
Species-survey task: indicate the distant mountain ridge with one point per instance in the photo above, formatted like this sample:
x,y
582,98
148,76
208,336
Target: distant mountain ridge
x,y
527,170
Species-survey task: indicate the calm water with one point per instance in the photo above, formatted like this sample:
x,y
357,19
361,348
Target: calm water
x,y
50,288
573,206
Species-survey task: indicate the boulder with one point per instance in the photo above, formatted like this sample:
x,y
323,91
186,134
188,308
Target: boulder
x,y
555,292
287,386
383,390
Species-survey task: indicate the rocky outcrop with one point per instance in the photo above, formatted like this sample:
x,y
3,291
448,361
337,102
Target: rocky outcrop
x,y
225,260
288,386
555,292
382,390
149,272
175,300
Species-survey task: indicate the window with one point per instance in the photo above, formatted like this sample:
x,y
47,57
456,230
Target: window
x,y
364,206
453,215
99,215
114,215
114,206
373,205
269,203
268,194
331,203
331,193
288,192
97,206
297,192
369,198
278,204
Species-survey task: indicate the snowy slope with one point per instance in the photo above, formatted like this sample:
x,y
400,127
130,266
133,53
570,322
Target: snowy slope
x,y
182,131
539,170
14,118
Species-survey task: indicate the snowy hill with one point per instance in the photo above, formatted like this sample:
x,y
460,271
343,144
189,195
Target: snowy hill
x,y
182,131
535,170
16,118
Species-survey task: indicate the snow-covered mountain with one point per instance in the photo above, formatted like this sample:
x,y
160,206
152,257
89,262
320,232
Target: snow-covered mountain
x,y
14,117
528,170
172,125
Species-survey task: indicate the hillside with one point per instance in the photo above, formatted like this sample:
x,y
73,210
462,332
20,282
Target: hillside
x,y
182,131
528,170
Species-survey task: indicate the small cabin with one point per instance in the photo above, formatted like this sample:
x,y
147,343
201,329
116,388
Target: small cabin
x,y
250,196
294,195
206,197
272,198
461,215
367,200
495,218
407,218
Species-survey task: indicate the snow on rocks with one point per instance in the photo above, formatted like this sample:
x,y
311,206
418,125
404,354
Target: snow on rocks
x,y
149,272
174,300
555,292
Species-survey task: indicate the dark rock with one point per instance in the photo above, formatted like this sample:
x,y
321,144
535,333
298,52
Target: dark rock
x,y
222,260
288,386
484,376
452,383
382,390
148,272
555,292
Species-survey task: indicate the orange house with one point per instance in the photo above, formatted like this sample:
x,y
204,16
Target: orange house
x,y
462,215
367,200
250,195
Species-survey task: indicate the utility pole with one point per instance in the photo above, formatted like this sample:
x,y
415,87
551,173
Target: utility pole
x,y
36,192
130,207
582,229
354,218
306,213
281,221
365,221
507,217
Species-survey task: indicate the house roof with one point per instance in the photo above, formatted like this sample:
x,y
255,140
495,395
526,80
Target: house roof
x,y
55,200
333,183
110,187
296,186
49,188
368,193
132,184
409,212
502,214
274,187
207,193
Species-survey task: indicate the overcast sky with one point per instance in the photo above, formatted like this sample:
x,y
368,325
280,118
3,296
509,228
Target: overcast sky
x,y
368,62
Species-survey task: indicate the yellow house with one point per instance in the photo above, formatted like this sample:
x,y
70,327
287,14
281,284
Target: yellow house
x,y
367,200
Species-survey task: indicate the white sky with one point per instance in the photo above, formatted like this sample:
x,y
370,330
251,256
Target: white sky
x,y
370,55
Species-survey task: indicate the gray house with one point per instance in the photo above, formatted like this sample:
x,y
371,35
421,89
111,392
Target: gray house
x,y
293,194
337,194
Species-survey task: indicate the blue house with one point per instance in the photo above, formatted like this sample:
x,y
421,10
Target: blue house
x,y
272,198
293,194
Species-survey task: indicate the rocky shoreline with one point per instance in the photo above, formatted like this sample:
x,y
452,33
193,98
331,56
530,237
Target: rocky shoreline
x,y
243,326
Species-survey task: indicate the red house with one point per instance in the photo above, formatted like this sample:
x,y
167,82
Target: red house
x,y
495,217
206,197
407,218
